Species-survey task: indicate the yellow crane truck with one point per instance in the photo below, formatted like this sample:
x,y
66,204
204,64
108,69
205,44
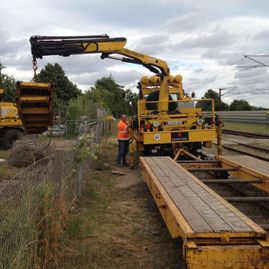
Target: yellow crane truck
x,y
10,124
167,119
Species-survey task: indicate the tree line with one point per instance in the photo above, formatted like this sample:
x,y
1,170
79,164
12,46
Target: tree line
x,y
69,101
236,105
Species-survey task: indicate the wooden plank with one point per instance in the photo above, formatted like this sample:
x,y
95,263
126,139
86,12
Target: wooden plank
x,y
157,170
218,208
174,218
256,228
250,162
229,181
249,168
189,192
180,224
193,217
199,210
213,202
197,223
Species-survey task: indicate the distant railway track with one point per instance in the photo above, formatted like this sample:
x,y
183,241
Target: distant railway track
x,y
252,154
246,134
266,150
247,149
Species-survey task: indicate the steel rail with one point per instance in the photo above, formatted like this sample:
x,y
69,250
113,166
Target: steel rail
x,y
246,134
246,153
266,150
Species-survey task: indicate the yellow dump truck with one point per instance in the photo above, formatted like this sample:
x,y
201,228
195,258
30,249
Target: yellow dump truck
x,y
10,124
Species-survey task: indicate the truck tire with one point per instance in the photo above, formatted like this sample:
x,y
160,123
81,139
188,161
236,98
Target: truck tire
x,y
9,137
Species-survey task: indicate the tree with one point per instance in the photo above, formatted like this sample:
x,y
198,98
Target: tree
x,y
64,89
206,106
237,105
83,106
112,96
7,83
131,99
259,108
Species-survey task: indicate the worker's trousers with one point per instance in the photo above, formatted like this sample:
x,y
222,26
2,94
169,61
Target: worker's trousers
x,y
122,152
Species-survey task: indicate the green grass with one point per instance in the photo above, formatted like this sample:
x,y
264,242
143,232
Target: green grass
x,y
83,220
112,224
4,154
246,127
7,171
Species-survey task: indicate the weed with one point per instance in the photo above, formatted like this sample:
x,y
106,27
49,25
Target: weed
x,y
4,154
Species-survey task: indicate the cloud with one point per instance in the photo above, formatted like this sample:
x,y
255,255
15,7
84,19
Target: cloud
x,y
219,38
202,40
153,44
257,76
127,77
11,45
223,58
195,83
80,64
198,70
264,35
184,23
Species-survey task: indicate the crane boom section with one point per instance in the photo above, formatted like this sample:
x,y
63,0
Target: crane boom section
x,y
69,45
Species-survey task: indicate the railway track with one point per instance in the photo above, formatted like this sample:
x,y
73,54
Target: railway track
x,y
246,134
258,152
243,195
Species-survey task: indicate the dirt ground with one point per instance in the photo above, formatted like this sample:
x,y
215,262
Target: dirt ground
x,y
116,224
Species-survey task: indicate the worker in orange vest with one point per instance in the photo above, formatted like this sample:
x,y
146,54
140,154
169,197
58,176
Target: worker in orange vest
x,y
123,139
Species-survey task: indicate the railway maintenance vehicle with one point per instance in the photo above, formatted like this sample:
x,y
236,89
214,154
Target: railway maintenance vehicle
x,y
167,119
214,233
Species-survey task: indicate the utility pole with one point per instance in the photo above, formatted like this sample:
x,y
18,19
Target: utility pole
x,y
219,127
219,99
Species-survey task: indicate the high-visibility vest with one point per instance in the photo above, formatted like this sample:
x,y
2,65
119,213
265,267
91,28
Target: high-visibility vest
x,y
123,132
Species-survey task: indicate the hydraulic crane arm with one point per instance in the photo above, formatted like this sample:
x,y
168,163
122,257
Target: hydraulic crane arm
x,y
69,45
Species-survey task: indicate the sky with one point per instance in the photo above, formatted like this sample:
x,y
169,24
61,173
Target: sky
x,y
205,41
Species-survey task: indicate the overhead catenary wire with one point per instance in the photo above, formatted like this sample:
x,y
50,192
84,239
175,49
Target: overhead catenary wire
x,y
239,87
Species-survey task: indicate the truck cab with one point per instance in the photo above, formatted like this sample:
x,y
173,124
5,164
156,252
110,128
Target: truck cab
x,y
10,124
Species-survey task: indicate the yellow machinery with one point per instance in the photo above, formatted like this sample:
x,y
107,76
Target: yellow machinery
x,y
180,125
166,118
214,233
10,124
35,106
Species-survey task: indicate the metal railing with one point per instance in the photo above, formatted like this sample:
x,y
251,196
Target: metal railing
x,y
180,104
257,117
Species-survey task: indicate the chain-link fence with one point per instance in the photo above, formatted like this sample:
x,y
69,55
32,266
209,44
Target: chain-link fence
x,y
35,203
88,140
